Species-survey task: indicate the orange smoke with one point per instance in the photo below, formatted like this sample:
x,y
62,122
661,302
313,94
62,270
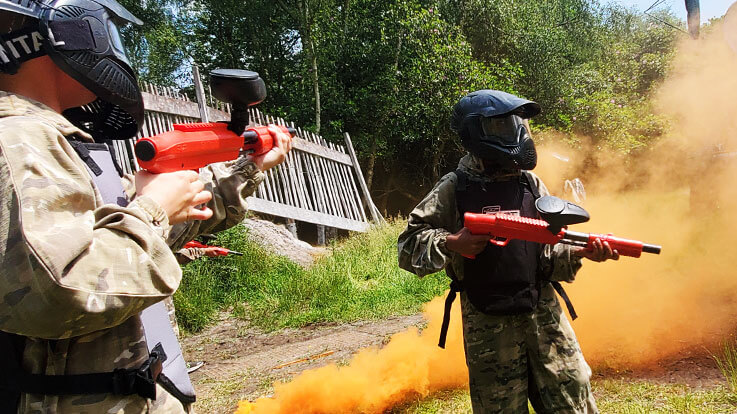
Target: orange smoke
x,y
411,364
637,311
632,312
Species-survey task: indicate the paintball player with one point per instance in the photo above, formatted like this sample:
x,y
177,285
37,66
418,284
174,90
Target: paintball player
x,y
86,255
519,344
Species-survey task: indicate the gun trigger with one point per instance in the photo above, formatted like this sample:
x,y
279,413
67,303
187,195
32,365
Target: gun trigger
x,y
500,243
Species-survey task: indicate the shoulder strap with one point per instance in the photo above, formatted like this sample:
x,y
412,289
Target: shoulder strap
x,y
526,179
455,286
462,183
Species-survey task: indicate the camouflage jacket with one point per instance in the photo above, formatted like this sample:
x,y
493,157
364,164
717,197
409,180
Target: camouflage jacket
x,y
422,248
75,272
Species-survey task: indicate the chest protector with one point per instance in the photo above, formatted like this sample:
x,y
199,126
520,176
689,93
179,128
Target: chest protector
x,y
165,364
501,280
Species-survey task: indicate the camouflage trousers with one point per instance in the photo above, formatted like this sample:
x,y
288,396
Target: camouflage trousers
x,y
518,357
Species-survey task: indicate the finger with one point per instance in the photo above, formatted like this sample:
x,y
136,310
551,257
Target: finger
x,y
608,249
197,214
616,255
201,198
189,175
196,186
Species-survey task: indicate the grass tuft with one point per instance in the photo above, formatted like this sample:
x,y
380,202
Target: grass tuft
x,y
727,363
360,280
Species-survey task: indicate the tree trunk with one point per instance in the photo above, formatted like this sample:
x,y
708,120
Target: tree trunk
x,y
371,162
309,47
436,161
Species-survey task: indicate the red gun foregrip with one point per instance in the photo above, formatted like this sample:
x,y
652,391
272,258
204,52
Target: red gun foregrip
x,y
625,247
258,140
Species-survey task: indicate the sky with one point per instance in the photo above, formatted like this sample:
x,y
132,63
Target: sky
x,y
709,8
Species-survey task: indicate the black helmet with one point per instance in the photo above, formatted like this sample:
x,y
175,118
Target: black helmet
x,y
490,125
81,37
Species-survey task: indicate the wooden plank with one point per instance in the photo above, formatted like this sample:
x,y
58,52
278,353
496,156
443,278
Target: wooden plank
x,y
356,193
319,168
343,196
296,213
317,149
319,187
332,191
302,183
315,189
347,195
369,202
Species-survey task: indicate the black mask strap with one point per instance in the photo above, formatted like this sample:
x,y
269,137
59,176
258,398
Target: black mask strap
x,y
18,47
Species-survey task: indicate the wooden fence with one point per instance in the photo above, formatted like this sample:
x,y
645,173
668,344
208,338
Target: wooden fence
x,y
320,183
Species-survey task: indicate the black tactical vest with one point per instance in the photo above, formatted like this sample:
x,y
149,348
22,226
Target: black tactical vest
x,y
501,280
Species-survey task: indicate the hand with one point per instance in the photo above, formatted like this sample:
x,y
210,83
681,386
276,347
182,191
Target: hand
x,y
466,243
178,193
599,252
211,251
277,154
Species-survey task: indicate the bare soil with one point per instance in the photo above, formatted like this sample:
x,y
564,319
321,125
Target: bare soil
x,y
242,363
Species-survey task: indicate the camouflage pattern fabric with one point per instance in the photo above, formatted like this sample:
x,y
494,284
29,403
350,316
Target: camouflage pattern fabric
x,y
511,358
75,273
515,358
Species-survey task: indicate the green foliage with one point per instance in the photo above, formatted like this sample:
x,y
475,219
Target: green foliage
x,y
388,72
157,48
359,280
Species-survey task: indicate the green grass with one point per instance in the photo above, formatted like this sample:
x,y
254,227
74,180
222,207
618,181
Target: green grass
x,y
612,397
359,280
727,363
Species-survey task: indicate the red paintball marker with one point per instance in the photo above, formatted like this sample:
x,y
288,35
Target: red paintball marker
x,y
193,146
219,251
557,214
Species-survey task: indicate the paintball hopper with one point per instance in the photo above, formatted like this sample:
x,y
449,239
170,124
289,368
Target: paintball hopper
x,y
560,213
240,88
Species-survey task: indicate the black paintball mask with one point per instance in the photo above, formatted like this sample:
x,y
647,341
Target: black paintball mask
x,y
81,37
491,126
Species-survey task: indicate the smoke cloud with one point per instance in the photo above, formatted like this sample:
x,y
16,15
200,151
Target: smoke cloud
x,y
638,311
633,312
410,365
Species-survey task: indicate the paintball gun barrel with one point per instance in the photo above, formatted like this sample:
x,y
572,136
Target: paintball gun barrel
x,y
219,251
193,146
502,228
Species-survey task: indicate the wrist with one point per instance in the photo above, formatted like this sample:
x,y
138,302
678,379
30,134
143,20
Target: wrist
x,y
154,214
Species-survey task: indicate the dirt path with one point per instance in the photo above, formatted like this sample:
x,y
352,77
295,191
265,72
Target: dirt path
x,y
242,363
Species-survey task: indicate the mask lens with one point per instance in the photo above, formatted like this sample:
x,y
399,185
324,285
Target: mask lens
x,y
116,43
503,128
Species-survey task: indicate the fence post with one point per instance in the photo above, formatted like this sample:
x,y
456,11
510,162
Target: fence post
x,y
200,91
292,227
375,214
320,235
